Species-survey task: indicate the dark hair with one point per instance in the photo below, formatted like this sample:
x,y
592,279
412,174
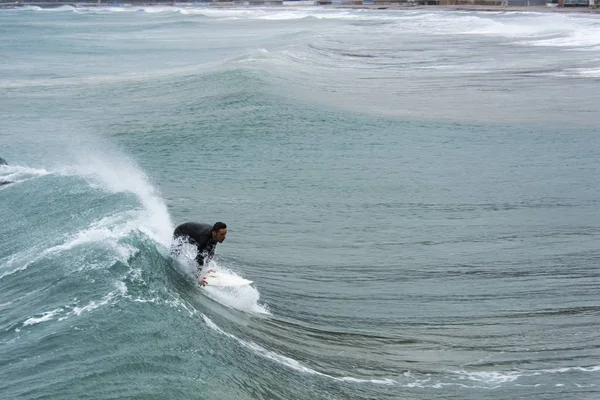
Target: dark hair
x,y
218,226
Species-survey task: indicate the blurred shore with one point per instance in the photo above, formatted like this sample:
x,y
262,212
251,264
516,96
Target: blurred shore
x,y
379,6
476,7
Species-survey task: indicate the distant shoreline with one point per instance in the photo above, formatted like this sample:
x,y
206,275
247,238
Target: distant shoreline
x,y
474,7
396,6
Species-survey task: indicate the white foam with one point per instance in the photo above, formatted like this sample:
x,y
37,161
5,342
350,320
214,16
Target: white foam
x,y
159,9
120,291
232,13
416,382
108,229
47,316
594,368
574,38
375,381
30,8
287,361
243,298
544,30
590,72
178,304
24,266
17,173
496,378
11,260
64,8
520,28
14,271
490,377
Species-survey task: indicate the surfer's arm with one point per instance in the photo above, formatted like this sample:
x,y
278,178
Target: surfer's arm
x,y
206,253
200,258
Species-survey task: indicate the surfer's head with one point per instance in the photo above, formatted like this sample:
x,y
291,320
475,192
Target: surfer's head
x,y
219,231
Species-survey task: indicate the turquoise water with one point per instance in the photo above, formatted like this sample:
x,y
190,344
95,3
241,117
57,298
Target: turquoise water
x,y
414,194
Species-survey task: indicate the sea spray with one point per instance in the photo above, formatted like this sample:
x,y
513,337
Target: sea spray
x,y
119,173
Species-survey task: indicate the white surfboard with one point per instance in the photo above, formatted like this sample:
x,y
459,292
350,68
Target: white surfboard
x,y
220,278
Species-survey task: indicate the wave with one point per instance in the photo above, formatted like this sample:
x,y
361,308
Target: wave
x,y
544,30
288,361
108,235
115,238
443,378
105,230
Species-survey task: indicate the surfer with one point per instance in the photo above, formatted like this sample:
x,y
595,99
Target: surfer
x,y
204,236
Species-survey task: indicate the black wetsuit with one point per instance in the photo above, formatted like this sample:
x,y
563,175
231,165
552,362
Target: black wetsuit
x,y
200,235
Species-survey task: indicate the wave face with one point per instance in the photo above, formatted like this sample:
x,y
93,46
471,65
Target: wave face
x,y
412,193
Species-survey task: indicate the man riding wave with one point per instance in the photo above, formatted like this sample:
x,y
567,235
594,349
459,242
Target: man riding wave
x,y
204,236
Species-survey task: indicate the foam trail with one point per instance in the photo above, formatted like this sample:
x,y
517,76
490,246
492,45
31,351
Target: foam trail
x,y
243,298
121,290
494,379
290,362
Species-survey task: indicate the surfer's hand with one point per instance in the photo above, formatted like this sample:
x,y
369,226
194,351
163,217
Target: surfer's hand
x,y
203,282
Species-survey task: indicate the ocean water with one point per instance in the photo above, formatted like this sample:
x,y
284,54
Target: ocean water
x,y
413,192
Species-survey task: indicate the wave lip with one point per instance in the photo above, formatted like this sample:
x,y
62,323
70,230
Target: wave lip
x,y
121,175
